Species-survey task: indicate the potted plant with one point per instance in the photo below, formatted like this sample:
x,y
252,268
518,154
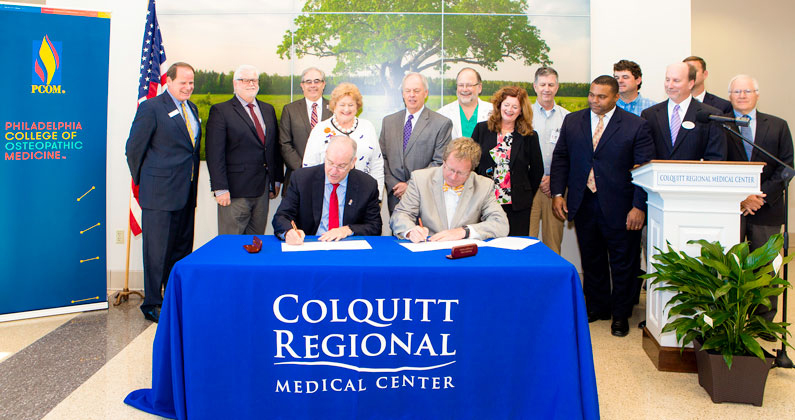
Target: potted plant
x,y
714,307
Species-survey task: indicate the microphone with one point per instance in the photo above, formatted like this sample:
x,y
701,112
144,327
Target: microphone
x,y
705,117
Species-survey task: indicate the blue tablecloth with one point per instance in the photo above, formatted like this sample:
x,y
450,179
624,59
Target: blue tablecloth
x,y
381,333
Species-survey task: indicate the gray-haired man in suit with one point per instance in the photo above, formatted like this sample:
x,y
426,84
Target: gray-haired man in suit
x,y
299,117
452,201
411,139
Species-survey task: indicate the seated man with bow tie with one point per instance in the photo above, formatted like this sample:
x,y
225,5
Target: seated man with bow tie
x,y
452,201
332,200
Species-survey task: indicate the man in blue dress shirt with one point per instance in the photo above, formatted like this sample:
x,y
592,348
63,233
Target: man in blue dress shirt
x,y
630,78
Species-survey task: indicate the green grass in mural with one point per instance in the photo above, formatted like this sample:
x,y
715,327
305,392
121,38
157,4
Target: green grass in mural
x,y
204,101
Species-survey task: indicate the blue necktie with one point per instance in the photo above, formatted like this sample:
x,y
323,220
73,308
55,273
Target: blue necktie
x,y
407,132
749,134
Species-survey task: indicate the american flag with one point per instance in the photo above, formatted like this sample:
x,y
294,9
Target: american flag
x,y
150,83
152,55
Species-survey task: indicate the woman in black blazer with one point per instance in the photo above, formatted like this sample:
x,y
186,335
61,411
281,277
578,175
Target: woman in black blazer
x,y
511,155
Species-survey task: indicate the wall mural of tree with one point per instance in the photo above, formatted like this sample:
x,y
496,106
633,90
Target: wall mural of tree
x,y
391,38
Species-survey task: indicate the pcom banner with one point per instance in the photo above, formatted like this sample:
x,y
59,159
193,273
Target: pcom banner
x,y
52,170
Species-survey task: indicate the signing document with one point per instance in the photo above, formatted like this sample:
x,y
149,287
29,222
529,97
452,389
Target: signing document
x,y
328,246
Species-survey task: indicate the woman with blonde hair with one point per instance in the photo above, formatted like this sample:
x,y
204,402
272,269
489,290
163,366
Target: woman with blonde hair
x,y
345,103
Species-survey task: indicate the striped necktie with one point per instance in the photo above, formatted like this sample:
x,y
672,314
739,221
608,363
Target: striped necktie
x,y
457,190
676,122
187,124
597,135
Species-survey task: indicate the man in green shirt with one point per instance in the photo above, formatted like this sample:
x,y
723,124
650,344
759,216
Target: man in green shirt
x,y
468,109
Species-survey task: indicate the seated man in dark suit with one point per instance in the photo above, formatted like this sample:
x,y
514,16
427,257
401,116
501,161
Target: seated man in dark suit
x,y
332,200
763,214
453,201
676,133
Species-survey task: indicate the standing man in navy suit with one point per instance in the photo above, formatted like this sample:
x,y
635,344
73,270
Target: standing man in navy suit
x,y
243,158
596,150
163,155
676,119
763,214
700,91
333,200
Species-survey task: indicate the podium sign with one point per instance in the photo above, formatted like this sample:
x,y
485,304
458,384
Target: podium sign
x,y
688,200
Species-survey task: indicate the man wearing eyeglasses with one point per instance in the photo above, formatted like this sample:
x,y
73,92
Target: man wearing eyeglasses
x,y
451,201
246,169
299,118
469,109
763,214
411,139
333,200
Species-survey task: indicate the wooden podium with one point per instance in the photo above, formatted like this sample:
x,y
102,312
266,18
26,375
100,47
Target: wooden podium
x,y
688,200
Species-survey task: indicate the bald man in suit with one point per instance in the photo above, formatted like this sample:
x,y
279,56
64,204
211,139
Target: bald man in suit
x,y
411,139
677,116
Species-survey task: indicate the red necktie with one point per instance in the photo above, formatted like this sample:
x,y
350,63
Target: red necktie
x,y
333,209
313,120
260,133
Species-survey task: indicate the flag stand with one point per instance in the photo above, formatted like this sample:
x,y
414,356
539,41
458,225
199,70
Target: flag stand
x,y
124,294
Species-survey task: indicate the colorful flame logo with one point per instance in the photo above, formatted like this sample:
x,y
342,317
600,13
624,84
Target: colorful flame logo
x,y
48,58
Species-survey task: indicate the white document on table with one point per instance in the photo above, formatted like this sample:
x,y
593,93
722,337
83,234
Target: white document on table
x,y
433,246
328,246
513,243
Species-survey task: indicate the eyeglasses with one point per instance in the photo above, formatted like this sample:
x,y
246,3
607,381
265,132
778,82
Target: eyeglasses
x,y
745,91
248,81
467,85
312,82
339,167
456,173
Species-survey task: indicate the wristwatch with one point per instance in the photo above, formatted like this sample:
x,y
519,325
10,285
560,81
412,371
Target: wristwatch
x,y
466,231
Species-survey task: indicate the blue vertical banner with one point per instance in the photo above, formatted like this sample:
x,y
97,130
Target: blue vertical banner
x,y
53,165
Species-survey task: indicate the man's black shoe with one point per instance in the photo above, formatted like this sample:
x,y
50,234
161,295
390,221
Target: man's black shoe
x,y
152,314
619,327
596,316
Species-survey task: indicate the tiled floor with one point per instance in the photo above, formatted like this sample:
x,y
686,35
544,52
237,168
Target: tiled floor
x,y
82,366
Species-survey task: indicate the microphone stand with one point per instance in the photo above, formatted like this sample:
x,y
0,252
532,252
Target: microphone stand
x,y
782,360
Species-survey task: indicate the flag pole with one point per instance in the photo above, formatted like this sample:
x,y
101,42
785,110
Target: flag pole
x,y
124,294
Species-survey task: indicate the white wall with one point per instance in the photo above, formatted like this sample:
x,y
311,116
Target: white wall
x,y
652,33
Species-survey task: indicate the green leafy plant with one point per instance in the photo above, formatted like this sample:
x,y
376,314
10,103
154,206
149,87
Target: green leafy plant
x,y
717,294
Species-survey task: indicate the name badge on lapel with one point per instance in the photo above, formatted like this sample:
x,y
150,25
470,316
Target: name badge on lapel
x,y
688,125
554,136
173,113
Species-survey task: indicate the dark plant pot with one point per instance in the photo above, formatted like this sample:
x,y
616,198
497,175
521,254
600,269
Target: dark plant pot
x,y
743,383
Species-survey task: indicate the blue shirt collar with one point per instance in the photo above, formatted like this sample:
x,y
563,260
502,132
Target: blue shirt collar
x,y
751,114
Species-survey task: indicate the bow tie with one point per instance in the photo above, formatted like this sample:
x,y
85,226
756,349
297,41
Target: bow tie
x,y
456,190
